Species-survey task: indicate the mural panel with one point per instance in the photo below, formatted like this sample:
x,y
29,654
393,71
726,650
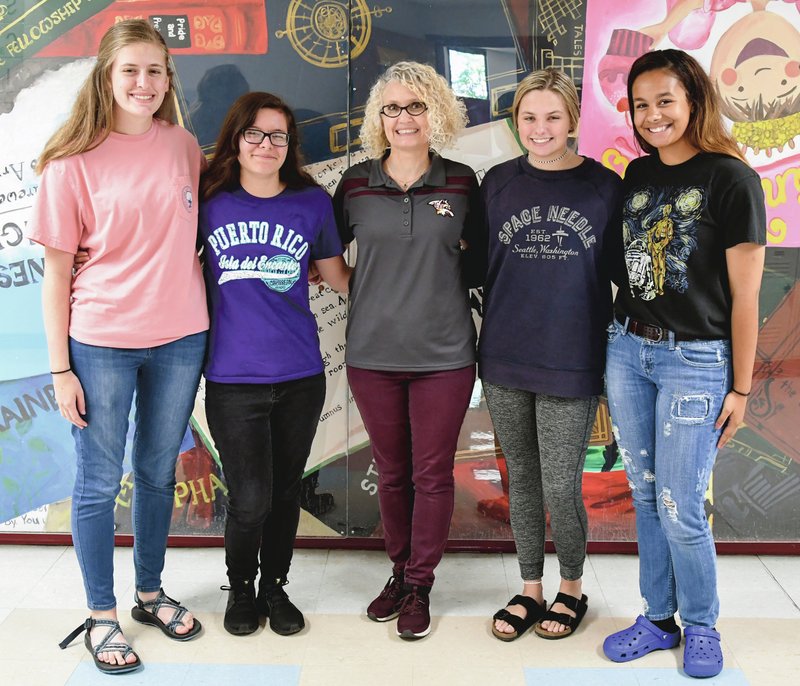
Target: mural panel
x,y
322,56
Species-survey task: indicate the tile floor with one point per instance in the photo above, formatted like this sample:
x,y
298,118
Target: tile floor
x,y
41,600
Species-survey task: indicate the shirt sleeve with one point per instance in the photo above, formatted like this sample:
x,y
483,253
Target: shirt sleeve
x,y
327,243
56,219
476,235
742,213
613,249
340,213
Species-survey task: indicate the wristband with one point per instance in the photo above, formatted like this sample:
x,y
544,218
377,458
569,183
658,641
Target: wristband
x,y
744,395
63,371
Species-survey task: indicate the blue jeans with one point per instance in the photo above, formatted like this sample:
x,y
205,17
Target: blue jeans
x,y
165,380
664,398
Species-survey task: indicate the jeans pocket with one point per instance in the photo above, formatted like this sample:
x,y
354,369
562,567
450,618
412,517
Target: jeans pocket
x,y
706,355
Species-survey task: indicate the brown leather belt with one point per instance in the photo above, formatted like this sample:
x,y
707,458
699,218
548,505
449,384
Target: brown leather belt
x,y
649,331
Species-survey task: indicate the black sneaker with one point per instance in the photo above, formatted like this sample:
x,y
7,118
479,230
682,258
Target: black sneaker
x,y
241,617
284,618
387,605
415,614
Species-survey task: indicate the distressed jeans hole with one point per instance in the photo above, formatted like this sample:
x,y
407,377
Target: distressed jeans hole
x,y
670,506
691,409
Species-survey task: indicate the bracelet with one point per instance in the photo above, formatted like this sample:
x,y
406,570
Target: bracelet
x,y
63,371
744,395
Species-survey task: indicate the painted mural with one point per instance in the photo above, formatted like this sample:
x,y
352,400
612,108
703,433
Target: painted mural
x,y
322,56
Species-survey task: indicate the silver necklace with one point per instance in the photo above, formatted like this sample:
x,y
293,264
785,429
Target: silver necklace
x,y
554,160
405,184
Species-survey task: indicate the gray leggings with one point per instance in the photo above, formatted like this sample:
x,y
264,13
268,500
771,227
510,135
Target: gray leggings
x,y
544,439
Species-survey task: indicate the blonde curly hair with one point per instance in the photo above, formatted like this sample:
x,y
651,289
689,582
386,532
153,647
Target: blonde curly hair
x,y
447,115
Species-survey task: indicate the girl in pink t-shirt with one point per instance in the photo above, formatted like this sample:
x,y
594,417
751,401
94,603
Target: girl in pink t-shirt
x,y
120,180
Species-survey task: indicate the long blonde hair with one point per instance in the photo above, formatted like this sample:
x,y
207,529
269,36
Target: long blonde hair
x,y
447,115
92,116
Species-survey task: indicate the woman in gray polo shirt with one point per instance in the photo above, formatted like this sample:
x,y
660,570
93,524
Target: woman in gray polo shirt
x,y
410,338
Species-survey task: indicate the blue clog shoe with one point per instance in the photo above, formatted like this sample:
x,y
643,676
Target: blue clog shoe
x,y
639,639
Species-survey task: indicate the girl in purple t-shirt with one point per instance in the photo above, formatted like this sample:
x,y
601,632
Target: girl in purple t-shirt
x,y
262,221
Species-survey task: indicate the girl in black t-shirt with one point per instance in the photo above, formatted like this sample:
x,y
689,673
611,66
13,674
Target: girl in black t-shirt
x,y
682,345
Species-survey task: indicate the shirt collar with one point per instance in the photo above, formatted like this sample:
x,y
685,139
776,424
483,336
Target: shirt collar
x,y
435,176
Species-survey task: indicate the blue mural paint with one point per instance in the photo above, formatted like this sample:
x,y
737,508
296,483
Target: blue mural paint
x,y
37,455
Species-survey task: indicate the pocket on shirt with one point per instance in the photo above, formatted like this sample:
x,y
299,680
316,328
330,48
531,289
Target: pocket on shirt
x,y
184,194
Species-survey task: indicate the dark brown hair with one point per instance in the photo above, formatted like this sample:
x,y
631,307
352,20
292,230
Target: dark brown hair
x,y
223,170
705,130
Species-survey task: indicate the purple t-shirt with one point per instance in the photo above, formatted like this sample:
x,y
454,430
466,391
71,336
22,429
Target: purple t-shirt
x,y
257,252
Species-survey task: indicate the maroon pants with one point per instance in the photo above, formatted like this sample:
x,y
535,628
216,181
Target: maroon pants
x,y
413,420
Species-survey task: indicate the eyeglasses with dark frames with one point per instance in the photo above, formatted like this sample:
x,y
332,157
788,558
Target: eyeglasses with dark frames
x,y
279,139
393,110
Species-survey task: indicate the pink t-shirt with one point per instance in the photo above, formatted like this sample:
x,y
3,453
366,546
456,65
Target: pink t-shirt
x,y
132,202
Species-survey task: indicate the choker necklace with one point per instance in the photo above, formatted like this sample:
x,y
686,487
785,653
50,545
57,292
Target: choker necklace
x,y
553,161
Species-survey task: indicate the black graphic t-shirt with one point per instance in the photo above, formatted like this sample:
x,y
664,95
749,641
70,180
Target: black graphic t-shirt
x,y
547,299
676,223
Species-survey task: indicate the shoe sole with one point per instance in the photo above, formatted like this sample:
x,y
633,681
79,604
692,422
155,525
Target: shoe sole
x,y
388,618
285,632
238,630
702,673
506,638
409,635
109,668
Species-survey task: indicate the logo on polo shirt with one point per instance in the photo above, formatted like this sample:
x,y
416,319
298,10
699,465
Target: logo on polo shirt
x,y
442,208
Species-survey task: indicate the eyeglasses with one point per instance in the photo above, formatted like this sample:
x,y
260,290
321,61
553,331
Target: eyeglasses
x,y
279,139
413,108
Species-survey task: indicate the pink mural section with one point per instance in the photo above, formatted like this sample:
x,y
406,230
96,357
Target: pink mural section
x,y
752,51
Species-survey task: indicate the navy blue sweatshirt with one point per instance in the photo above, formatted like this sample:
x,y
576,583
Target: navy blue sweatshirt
x,y
547,299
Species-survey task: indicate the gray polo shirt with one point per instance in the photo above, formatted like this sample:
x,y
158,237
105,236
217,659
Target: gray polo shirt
x,y
409,302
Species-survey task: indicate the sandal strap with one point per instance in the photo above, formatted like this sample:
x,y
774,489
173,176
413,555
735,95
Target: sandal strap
x,y
695,630
163,600
106,644
518,623
529,604
561,618
87,625
577,605
573,603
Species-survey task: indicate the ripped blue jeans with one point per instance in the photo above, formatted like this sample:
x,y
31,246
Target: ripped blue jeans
x,y
664,398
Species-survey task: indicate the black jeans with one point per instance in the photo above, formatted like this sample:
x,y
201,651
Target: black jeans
x,y
263,433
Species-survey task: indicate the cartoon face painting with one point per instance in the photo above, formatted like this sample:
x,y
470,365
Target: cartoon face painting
x,y
755,66
756,71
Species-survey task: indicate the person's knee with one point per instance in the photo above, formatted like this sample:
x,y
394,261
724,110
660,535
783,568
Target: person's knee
x,y
394,475
681,520
434,481
97,490
162,481
249,514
